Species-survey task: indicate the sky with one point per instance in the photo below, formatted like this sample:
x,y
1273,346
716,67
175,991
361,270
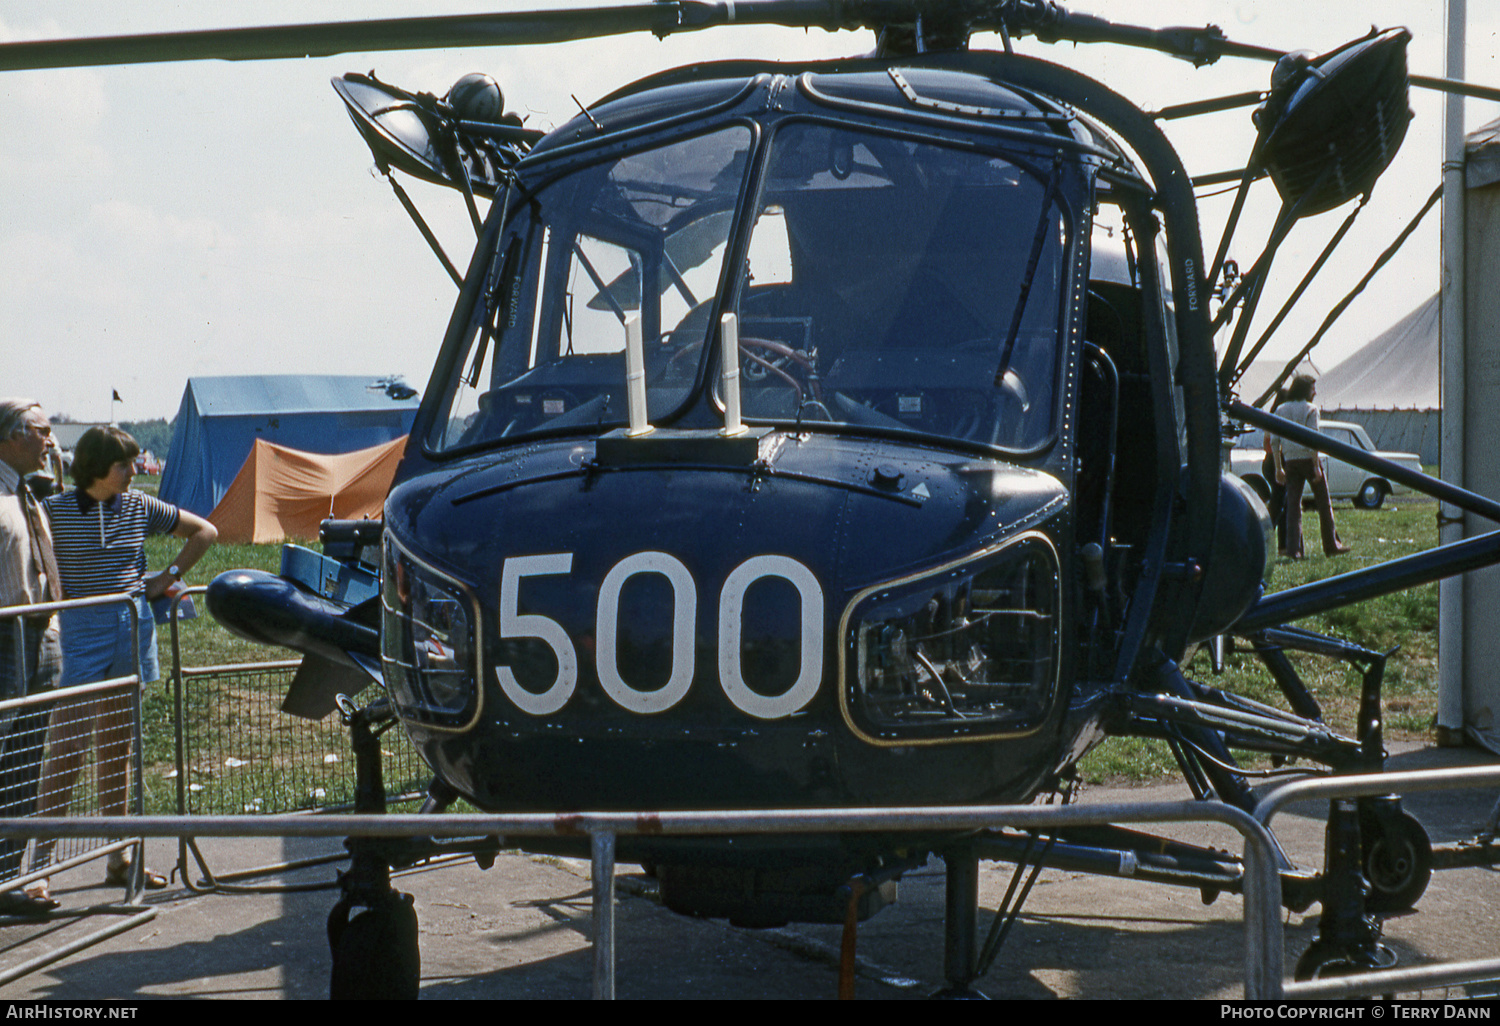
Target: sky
x,y
160,222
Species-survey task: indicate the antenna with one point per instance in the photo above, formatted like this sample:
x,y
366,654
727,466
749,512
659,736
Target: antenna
x,y
729,347
635,378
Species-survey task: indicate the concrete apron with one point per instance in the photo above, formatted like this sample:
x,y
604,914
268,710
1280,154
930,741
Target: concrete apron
x,y
521,929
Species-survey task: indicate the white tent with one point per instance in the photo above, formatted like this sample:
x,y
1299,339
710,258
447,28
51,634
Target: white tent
x,y
1397,369
1390,385
1258,377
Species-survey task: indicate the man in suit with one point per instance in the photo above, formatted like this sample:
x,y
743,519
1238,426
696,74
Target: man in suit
x,y
30,658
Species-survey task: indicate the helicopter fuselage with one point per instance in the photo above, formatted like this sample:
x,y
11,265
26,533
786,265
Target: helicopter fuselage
x,y
794,630
906,582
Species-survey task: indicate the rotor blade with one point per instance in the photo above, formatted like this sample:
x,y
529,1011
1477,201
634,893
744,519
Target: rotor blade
x,y
1047,21
519,28
1053,24
328,38
1449,85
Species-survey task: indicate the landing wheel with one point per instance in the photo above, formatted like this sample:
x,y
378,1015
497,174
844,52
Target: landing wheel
x,y
375,953
1397,859
1325,961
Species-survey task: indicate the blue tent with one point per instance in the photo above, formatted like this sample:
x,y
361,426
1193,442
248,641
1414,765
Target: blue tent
x,y
220,419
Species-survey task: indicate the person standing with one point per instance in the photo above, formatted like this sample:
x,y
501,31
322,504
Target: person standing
x,y
30,656
100,528
1274,474
1304,467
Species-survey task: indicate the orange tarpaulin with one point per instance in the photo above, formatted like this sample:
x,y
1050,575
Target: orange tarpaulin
x,y
285,493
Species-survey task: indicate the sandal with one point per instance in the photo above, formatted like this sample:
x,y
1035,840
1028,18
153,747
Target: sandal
x,y
14,903
119,876
39,891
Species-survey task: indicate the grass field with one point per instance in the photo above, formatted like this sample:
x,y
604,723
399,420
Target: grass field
x,y
1407,619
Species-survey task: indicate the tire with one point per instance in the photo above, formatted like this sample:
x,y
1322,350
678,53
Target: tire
x,y
1329,959
1259,486
1397,862
375,953
1370,495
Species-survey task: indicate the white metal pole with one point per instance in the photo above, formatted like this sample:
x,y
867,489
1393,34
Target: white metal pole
x,y
602,884
635,377
1450,719
729,349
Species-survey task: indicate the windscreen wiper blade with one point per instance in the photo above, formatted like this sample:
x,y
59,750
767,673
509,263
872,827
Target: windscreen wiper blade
x,y
1038,240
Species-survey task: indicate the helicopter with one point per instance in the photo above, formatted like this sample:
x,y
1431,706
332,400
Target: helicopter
x,y
775,456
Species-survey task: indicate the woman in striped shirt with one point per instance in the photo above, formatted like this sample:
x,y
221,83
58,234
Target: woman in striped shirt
x,y
99,531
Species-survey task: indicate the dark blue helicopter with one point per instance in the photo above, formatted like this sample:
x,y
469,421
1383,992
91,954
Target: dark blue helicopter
x,y
801,438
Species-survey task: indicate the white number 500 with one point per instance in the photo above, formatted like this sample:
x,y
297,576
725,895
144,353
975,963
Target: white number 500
x,y
514,624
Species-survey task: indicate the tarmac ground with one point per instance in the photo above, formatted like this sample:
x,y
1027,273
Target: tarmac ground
x,y
521,929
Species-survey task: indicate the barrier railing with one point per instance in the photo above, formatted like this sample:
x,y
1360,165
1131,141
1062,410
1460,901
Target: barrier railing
x,y
237,753
76,750
1263,937
1388,980
246,697
1263,959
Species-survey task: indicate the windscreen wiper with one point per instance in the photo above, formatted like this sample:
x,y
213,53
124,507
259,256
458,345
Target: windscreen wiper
x,y
1038,240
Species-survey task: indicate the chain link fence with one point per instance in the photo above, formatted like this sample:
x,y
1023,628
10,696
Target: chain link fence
x,y
234,752
238,753
63,752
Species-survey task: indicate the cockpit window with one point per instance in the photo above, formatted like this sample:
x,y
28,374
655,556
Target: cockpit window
x,y
641,238
899,283
889,283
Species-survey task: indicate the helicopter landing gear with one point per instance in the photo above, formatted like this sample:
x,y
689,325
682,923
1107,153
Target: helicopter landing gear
x,y
1321,962
1348,936
1396,855
960,923
375,951
964,959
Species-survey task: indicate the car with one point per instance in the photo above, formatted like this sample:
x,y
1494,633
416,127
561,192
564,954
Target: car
x,y
1365,490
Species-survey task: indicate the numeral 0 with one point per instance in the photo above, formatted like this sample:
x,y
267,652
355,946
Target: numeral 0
x,y
514,624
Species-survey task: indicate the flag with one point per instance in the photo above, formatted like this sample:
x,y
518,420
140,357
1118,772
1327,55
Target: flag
x,y
117,396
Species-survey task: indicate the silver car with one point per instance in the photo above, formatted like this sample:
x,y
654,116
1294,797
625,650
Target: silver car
x,y
1365,490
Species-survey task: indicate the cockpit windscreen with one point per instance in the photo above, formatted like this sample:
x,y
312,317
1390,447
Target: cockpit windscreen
x,y
888,282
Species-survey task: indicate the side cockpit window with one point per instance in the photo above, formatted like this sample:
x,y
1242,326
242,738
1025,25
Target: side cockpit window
x,y
643,238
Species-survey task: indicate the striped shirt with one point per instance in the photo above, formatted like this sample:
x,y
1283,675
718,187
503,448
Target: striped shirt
x,y
101,550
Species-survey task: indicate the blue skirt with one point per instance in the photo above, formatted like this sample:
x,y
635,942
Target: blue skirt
x,y
96,644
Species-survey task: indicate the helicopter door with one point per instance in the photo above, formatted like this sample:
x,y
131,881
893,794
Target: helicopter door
x,y
1131,415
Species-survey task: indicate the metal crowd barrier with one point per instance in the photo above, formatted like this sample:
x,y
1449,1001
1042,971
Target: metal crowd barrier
x,y
52,744
237,753
1263,959
1262,887
218,708
1388,980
